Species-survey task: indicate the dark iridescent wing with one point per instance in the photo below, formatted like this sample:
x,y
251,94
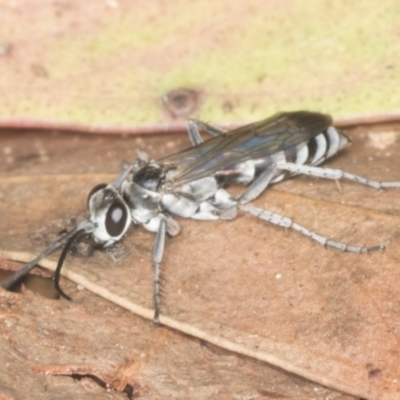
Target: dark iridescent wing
x,y
281,132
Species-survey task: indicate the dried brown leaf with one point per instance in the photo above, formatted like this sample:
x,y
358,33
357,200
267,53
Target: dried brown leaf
x,y
259,290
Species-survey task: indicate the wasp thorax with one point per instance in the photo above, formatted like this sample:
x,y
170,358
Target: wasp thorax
x,y
149,177
109,213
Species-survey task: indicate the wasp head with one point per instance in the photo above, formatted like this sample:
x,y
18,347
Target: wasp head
x,y
108,213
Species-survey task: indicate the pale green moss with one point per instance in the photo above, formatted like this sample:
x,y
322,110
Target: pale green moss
x,y
335,57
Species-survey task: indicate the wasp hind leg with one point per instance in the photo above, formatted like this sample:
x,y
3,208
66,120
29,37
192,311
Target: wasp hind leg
x,y
331,173
285,222
257,186
193,127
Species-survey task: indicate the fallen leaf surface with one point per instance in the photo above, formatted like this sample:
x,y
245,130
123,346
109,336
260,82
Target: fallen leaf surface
x,y
256,289
97,350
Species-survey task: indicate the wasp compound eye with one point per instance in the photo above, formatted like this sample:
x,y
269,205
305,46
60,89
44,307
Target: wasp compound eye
x,y
95,190
116,218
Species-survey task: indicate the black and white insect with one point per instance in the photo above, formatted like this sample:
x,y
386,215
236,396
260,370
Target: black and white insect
x,y
193,182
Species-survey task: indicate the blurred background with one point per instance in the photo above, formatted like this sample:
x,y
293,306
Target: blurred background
x,y
123,65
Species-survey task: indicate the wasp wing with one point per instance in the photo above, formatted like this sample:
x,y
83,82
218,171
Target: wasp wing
x,y
282,132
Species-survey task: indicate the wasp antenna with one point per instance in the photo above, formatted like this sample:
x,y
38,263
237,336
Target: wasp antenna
x,y
61,260
11,280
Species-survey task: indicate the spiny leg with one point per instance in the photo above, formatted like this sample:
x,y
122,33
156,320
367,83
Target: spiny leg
x,y
277,219
193,126
157,259
330,173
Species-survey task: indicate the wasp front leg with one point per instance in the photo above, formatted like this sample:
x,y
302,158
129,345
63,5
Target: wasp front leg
x,y
158,252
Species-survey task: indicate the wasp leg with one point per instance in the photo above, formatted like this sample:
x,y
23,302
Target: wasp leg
x,y
194,125
277,219
157,258
121,178
117,252
257,186
330,173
